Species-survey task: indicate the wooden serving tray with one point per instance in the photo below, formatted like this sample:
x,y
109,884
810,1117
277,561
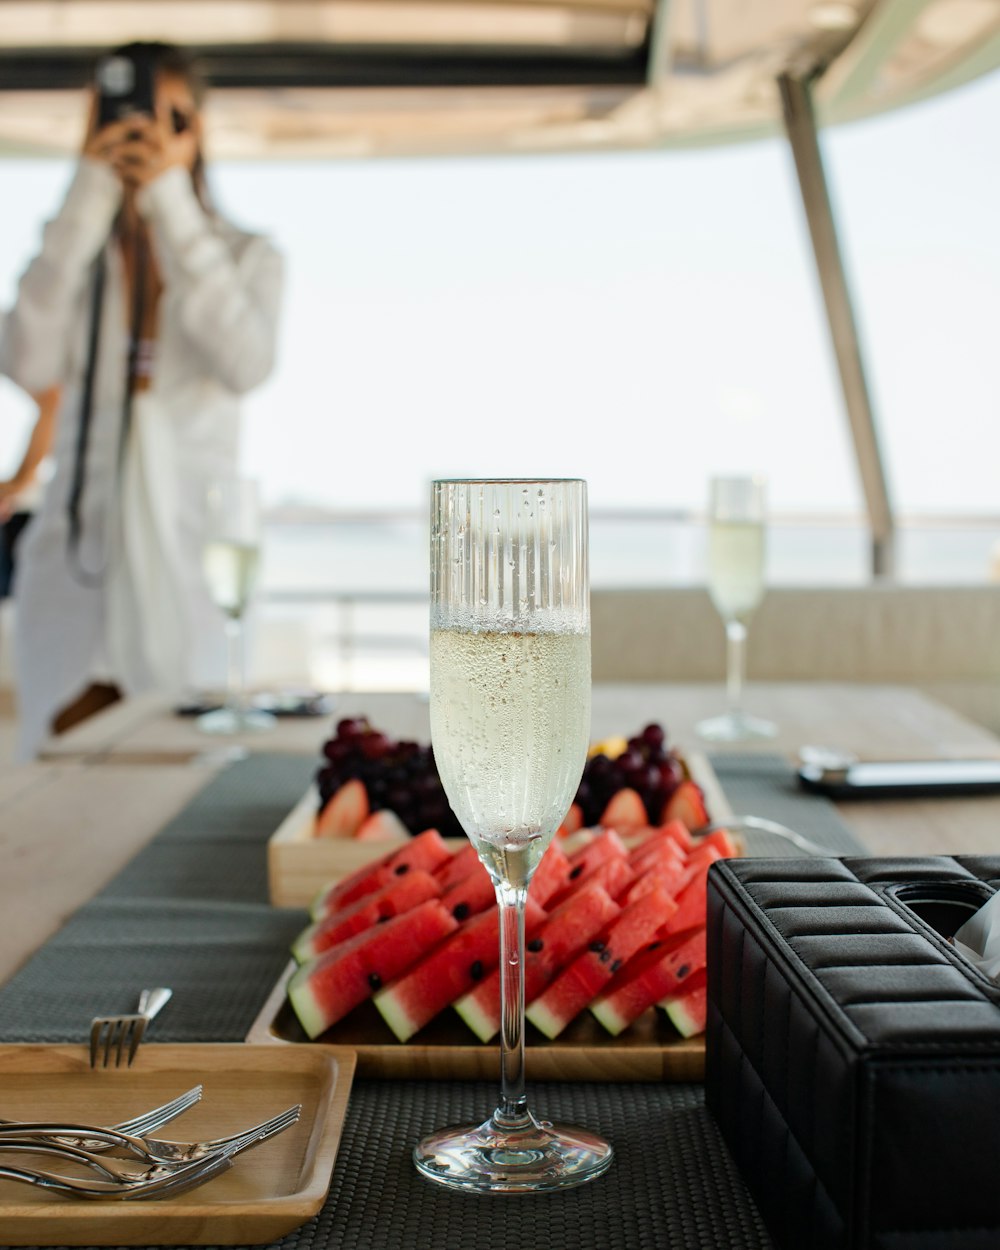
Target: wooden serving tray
x,y
270,1190
648,1051
300,864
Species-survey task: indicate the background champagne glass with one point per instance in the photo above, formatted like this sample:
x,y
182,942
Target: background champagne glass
x,y
510,725
230,560
736,548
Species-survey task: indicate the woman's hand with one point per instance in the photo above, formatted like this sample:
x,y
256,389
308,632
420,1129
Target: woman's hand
x,y
139,148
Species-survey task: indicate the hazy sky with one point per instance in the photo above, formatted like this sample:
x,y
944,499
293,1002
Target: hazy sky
x,y
641,320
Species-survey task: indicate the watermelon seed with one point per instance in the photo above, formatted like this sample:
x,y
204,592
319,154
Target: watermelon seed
x,y
605,956
383,919
616,965
460,911
374,980
597,946
401,869
535,944
655,946
476,971
576,872
682,971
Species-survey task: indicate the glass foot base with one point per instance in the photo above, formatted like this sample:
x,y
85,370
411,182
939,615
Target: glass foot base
x,y
231,720
533,1159
735,727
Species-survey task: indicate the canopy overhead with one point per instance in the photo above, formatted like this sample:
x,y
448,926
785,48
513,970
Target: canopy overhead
x,y
328,78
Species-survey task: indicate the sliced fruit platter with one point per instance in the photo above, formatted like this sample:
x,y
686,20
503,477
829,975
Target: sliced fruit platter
x,y
372,791
405,947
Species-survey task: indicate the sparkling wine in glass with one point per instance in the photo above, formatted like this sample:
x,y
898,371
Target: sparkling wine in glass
x,y
230,560
736,545
510,725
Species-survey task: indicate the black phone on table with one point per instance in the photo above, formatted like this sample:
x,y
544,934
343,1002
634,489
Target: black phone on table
x,y
892,779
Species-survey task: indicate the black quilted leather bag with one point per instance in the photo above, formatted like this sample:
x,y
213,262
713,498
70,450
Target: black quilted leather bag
x,y
853,1057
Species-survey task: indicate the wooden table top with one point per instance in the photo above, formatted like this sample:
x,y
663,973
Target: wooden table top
x,y
69,822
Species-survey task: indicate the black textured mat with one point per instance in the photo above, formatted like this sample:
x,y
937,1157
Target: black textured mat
x,y
673,1185
190,912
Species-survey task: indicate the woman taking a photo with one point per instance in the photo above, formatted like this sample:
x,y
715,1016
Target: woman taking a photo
x,y
153,316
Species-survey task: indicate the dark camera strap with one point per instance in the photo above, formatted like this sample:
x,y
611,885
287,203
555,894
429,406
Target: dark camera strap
x,y
87,577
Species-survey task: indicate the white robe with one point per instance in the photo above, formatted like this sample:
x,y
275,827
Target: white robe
x,y
144,620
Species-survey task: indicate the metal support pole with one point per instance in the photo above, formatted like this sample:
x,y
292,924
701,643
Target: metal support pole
x,y
800,125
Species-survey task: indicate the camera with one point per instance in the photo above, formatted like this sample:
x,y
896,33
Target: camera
x,y
125,84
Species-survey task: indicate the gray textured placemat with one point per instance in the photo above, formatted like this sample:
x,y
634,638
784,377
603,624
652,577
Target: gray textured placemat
x,y
764,785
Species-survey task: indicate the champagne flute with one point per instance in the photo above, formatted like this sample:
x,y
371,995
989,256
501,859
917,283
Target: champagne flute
x,y
737,510
510,725
230,560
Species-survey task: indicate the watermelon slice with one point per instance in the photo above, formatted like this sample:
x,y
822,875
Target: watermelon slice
x,y
660,844
721,840
394,898
654,974
561,938
427,850
450,969
458,866
549,876
691,904
591,859
671,876
324,990
688,1010
581,981
473,894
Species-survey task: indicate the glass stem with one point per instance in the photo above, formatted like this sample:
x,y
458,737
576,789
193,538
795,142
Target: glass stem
x,y
736,638
236,676
513,1109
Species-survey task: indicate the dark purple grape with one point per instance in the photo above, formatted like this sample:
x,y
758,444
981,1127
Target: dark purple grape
x,y
654,736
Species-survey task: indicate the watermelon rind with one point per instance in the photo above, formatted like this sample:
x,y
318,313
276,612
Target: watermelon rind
x,y
545,1020
303,948
483,1025
609,1017
681,1018
395,1017
305,1004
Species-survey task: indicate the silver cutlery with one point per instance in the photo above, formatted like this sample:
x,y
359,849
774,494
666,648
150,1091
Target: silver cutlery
x,y
121,1035
170,1182
146,1122
157,1180
52,1136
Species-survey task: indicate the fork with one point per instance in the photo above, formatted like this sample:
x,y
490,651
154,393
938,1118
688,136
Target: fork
x,y
48,1139
169,1182
51,1138
147,1122
124,1033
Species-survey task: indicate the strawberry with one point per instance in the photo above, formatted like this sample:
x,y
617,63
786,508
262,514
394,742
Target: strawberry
x,y
625,811
345,812
687,804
